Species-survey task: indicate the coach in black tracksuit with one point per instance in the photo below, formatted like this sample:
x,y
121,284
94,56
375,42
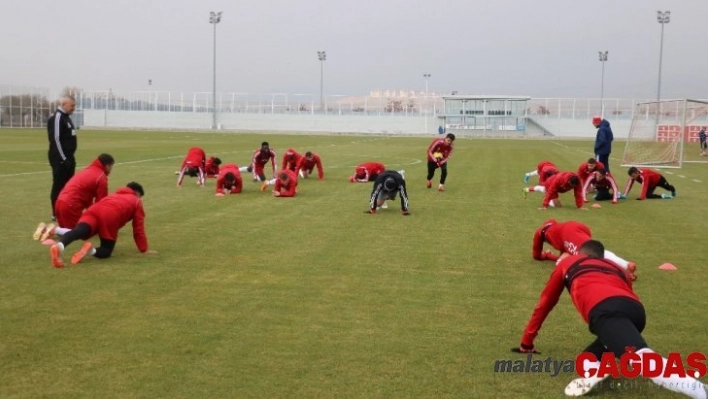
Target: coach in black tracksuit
x,y
62,146
386,185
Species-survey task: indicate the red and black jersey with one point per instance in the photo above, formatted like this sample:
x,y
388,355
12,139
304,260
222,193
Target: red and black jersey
x,y
291,158
647,178
221,182
288,189
601,183
545,169
589,282
196,158
86,187
309,165
368,171
211,169
108,216
560,183
584,172
565,237
439,145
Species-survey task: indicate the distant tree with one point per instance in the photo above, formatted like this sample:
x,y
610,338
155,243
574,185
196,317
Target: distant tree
x,y
394,106
411,105
24,110
541,110
72,91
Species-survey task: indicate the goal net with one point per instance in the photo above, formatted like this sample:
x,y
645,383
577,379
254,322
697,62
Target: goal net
x,y
659,130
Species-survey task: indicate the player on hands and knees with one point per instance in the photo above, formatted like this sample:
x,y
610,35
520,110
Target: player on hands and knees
x,y
602,293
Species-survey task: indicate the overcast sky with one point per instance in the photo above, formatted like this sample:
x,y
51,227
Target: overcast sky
x,y
541,48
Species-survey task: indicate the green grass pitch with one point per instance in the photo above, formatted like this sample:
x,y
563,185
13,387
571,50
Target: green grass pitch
x,y
250,296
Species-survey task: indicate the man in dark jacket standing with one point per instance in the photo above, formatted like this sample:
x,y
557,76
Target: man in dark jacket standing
x,y
62,146
603,141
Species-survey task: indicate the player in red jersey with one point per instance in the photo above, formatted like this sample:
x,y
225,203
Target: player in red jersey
x,y
439,152
568,237
106,218
212,167
304,169
285,184
193,165
603,183
307,165
366,172
229,180
586,169
557,184
544,170
260,159
83,189
602,293
291,158
649,180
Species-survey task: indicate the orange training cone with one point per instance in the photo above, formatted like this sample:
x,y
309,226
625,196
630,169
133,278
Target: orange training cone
x,y
668,266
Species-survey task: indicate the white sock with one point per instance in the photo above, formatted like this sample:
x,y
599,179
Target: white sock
x,y
270,182
532,173
551,204
539,189
688,386
92,252
243,169
60,246
619,261
60,231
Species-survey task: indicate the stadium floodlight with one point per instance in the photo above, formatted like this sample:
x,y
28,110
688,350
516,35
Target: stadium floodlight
x,y
603,58
322,56
214,18
663,18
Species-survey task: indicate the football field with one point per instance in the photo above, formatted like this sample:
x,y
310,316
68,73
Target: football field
x,y
250,296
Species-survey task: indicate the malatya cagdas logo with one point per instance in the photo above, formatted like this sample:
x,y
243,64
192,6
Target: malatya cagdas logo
x,y
629,365
647,365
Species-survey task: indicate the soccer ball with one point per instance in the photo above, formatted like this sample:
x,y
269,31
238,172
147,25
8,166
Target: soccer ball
x,y
438,155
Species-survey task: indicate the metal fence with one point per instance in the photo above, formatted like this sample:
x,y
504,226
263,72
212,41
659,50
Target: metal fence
x,y
30,106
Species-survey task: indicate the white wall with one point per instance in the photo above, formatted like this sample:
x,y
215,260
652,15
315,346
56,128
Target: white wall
x,y
383,124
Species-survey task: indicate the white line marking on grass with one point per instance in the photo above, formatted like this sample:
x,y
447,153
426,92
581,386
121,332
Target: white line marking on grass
x,y
696,180
681,176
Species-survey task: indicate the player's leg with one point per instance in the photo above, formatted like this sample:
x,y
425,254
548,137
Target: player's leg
x,y
431,172
82,231
529,175
105,250
443,177
180,176
666,186
381,200
267,183
244,169
201,176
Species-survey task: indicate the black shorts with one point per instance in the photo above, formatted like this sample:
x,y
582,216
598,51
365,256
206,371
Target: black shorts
x,y
618,323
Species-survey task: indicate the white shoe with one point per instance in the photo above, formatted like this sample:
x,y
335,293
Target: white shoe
x,y
581,386
384,206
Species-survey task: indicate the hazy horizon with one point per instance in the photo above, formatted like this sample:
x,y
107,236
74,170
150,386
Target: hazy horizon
x,y
546,48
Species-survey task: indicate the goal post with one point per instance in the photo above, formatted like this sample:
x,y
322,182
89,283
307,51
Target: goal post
x,y
659,130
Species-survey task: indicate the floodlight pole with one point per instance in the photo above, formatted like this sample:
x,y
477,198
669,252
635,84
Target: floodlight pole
x,y
322,56
662,18
603,58
214,18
